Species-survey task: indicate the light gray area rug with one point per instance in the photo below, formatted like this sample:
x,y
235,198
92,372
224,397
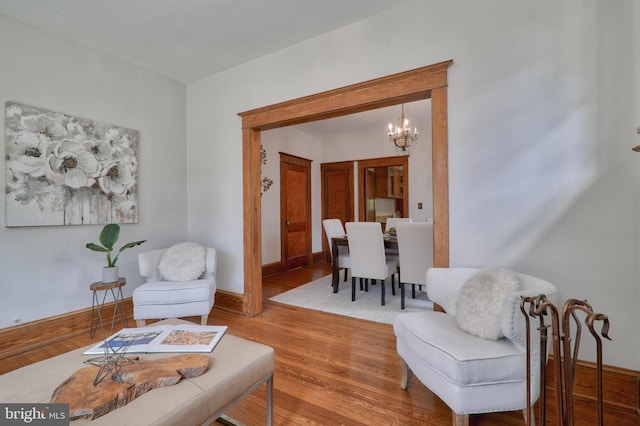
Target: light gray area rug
x,y
318,295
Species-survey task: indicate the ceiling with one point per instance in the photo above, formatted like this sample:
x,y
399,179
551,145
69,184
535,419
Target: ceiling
x,y
187,40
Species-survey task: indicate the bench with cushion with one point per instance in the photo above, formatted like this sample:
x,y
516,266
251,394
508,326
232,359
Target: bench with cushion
x,y
237,367
477,365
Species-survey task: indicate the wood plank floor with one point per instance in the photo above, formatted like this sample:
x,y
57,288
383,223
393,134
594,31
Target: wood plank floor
x,y
330,370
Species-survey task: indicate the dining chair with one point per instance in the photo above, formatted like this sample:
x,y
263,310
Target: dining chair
x,y
333,228
368,260
393,221
415,247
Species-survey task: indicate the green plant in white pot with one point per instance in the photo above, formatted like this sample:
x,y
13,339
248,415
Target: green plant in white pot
x,y
108,238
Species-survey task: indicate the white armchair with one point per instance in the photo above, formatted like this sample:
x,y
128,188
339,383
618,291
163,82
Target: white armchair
x,y
470,374
159,298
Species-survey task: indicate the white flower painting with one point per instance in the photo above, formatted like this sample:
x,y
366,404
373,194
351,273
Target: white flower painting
x,y
64,170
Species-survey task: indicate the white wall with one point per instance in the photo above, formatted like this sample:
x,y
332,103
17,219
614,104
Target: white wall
x,y
46,271
291,141
541,122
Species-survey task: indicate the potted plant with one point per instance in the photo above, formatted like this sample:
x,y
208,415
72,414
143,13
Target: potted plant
x,y
108,237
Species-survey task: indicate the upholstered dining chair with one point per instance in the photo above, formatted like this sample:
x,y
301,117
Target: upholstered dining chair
x,y
393,221
473,355
180,282
368,260
333,228
415,248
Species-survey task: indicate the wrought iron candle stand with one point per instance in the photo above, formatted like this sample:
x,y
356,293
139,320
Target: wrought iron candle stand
x,y
565,356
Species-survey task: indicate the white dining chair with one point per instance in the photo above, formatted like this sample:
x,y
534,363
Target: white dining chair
x,y
415,248
368,260
333,228
393,221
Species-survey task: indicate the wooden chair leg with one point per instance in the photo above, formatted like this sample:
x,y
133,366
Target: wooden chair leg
x,y
140,323
460,419
406,375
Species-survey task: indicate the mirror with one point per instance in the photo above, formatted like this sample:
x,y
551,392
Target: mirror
x,y
383,189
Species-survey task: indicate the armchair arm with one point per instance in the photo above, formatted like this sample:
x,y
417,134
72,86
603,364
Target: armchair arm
x,y
513,320
212,263
444,284
148,264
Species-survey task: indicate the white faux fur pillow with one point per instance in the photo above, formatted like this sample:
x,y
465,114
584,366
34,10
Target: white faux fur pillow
x,y
183,262
479,304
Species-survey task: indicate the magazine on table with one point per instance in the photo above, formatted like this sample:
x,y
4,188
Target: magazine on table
x,y
162,338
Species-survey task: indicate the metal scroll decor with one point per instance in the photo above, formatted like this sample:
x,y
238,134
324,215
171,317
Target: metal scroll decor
x,y
65,170
565,349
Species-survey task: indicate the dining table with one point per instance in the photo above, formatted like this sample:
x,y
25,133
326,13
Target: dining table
x,y
390,242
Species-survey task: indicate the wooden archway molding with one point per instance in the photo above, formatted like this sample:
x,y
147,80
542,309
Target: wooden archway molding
x,y
421,83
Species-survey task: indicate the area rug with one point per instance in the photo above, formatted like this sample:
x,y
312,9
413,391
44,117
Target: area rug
x,y
318,295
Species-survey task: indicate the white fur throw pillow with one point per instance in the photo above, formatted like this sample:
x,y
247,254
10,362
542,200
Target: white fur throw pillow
x,y
183,262
479,303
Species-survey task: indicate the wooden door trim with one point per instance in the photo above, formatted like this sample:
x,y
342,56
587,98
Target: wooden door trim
x,y
413,85
301,162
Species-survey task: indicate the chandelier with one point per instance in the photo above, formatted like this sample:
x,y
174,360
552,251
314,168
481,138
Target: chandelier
x,y
401,134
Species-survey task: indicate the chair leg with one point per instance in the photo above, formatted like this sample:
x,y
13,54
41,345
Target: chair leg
x,y
382,292
413,291
140,323
345,274
460,419
406,375
353,288
204,319
393,285
401,295
361,284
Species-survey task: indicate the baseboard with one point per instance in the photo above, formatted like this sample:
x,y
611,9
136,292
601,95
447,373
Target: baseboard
x,y
275,268
22,338
32,335
621,389
230,302
271,269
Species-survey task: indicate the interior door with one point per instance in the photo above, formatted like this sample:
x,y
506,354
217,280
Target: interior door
x,y
295,211
336,196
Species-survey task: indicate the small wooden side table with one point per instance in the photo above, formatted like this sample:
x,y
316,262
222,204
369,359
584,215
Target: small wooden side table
x,y
118,309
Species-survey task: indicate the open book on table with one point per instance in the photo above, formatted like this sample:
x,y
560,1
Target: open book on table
x,y
162,338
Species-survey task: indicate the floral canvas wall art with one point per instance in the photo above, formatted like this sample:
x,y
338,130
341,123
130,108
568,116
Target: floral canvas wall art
x,y
65,170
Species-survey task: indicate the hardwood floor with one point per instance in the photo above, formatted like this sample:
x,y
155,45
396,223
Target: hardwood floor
x,y
330,370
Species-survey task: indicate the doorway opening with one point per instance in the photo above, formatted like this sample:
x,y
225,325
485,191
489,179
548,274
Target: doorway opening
x,y
428,82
